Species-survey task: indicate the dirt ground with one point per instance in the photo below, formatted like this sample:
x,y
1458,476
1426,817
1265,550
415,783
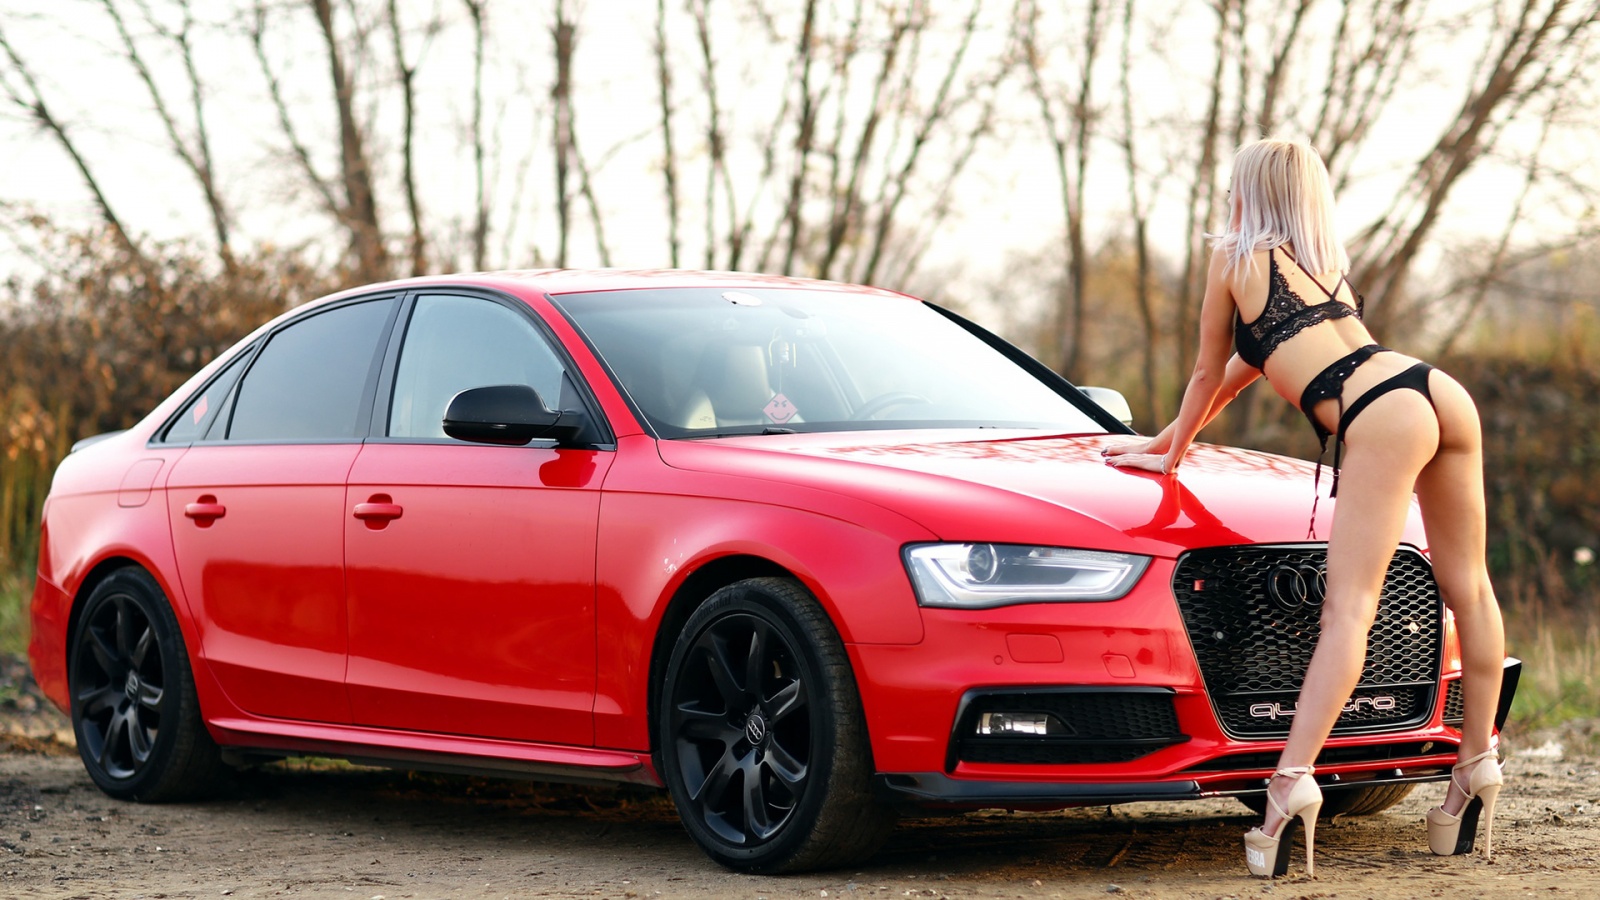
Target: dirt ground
x,y
319,829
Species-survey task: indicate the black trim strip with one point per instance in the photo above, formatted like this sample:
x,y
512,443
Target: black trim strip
x,y
935,789
454,764
1051,378
939,789
1510,675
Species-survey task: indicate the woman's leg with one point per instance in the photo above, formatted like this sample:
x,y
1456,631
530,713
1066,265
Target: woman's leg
x,y
1387,445
1450,490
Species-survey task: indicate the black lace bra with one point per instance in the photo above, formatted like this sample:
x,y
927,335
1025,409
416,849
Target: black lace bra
x,y
1286,315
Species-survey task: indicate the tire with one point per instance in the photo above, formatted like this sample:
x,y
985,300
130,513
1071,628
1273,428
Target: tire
x,y
1356,801
134,710
761,735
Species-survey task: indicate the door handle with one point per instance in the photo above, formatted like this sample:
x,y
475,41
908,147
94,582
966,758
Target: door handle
x,y
378,508
205,510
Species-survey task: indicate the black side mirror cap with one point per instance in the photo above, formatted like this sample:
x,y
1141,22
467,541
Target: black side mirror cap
x,y
511,414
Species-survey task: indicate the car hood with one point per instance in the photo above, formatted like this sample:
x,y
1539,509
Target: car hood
x,y
972,486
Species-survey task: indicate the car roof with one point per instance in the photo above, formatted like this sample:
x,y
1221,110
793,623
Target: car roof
x,y
573,281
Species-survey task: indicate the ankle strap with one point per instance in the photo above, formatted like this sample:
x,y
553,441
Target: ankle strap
x,y
1487,754
1294,771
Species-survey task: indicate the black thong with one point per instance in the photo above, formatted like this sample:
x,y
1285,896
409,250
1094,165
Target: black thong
x,y
1329,385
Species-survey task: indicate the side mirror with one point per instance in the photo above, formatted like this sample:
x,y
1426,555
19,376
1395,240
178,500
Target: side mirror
x,y
1112,402
512,414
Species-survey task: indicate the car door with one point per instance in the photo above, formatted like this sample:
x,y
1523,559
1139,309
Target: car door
x,y
257,511
470,567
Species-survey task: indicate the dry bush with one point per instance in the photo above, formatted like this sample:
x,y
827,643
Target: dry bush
x,y
99,338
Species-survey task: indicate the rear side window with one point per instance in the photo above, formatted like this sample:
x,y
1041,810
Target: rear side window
x,y
308,381
203,408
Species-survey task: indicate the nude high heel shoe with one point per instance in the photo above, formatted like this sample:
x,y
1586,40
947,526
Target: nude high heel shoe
x,y
1268,855
1449,835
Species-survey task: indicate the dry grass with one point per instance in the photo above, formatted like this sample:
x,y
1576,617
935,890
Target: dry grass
x,y
1560,652
16,585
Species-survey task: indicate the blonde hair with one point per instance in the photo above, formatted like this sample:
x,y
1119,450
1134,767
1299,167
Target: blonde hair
x,y
1283,198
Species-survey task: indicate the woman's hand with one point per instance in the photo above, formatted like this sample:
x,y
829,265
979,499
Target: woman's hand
x,y
1121,448
1149,454
1161,443
1150,462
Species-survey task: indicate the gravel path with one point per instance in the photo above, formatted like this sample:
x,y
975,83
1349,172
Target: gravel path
x,y
321,829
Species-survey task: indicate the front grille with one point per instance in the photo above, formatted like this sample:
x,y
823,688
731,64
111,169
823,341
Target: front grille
x,y
1103,726
1455,710
1253,649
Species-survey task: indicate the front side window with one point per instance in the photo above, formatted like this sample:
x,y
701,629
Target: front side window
x,y
454,343
309,380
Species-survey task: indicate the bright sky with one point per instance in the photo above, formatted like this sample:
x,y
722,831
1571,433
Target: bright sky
x,y
1008,202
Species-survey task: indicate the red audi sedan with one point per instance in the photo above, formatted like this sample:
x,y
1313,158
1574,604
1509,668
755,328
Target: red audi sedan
x,y
805,554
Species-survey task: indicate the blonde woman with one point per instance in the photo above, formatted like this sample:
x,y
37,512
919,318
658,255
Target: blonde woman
x,y
1277,294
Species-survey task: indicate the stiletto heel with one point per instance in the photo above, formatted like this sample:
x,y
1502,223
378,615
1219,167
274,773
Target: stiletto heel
x,y
1488,795
1268,855
1450,835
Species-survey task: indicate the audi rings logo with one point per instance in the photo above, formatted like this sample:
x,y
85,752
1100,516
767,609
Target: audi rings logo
x,y
1296,587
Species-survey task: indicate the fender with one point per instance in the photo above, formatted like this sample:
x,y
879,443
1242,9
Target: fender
x,y
640,567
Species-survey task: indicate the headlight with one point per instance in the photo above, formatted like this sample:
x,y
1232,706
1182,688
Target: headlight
x,y
978,576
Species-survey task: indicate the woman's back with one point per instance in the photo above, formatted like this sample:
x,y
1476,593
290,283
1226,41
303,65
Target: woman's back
x,y
1290,324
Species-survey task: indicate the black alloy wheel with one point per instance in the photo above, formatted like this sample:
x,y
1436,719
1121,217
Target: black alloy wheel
x,y
134,710
763,743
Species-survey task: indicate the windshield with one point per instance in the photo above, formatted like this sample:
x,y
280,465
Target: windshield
x,y
703,362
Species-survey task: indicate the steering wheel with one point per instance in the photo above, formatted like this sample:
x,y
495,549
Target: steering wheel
x,y
886,401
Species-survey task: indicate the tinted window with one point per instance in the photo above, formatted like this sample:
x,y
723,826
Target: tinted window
x,y
202,408
456,343
308,381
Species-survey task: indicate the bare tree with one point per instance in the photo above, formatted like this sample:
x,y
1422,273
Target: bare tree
x,y
804,136
194,152
569,162
1068,117
1532,59
669,162
876,97
360,200
298,148
31,100
1201,203
717,174
844,198
564,34
350,199
406,69
1139,216
898,185
477,11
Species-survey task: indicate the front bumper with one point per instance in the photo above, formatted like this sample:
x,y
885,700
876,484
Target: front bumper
x,y
1348,763
935,789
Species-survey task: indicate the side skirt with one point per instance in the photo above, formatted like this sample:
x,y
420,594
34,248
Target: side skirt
x,y
244,739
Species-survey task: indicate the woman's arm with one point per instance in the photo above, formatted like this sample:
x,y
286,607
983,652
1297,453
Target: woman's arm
x,y
1205,396
1238,376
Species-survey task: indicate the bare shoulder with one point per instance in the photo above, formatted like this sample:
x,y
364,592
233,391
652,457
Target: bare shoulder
x,y
1249,275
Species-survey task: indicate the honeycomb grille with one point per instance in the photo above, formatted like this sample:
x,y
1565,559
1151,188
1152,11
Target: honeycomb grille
x,y
1104,726
1253,643
1454,708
